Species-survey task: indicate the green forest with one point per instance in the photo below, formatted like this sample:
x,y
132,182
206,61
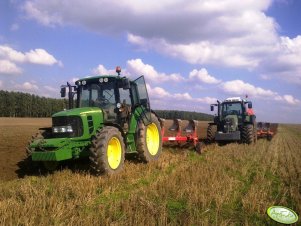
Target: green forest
x,y
17,104
184,115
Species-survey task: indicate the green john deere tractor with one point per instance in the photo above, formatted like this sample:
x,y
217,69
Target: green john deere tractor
x,y
112,117
235,121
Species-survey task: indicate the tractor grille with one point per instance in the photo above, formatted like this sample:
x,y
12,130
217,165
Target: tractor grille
x,y
74,121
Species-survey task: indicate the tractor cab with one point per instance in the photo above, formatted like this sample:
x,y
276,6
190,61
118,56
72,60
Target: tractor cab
x,y
116,96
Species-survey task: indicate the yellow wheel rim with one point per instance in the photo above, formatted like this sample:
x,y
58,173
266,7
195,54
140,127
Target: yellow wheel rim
x,y
152,139
114,152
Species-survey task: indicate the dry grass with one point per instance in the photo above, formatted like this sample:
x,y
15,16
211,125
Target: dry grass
x,y
227,185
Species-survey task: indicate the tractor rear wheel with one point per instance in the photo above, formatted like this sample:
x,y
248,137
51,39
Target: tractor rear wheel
x,y
211,130
107,151
149,140
247,134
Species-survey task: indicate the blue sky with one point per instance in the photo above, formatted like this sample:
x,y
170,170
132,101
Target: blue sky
x,y
191,52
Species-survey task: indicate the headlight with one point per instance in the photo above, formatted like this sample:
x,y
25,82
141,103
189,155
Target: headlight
x,y
62,129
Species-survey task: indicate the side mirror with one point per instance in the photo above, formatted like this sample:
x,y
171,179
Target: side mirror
x,y
63,91
126,83
250,105
211,108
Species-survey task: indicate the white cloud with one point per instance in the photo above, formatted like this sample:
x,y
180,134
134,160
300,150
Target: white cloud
x,y
1,84
241,88
9,58
40,56
36,56
288,99
203,76
137,67
101,70
27,86
175,100
7,67
226,33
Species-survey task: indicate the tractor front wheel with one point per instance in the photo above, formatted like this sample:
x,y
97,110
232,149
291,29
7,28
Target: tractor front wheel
x,y
247,134
107,151
149,141
211,130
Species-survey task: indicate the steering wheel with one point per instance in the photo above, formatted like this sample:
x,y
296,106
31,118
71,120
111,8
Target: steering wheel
x,y
104,101
232,112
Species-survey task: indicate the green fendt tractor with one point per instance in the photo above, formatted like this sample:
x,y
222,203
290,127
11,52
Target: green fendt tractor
x,y
112,117
235,121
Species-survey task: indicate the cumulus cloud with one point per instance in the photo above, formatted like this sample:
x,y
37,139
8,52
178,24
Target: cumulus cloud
x,y
203,76
158,93
286,62
101,70
9,58
36,56
234,87
7,67
227,33
1,84
241,88
137,67
27,86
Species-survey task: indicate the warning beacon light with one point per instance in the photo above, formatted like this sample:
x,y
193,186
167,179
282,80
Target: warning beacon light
x,y
118,70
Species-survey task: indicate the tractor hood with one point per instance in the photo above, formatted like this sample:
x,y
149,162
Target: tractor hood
x,y
231,123
78,112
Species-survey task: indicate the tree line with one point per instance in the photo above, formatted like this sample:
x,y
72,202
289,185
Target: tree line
x,y
17,104
184,115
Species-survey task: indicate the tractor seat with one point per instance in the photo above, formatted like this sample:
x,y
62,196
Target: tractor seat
x,y
190,128
176,125
109,112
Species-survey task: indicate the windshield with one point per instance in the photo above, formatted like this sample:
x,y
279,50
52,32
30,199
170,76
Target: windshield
x,y
231,109
97,95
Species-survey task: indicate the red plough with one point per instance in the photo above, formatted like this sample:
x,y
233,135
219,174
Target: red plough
x,y
189,136
264,130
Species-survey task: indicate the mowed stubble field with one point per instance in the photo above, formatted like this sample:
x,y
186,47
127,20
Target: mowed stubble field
x,y
226,185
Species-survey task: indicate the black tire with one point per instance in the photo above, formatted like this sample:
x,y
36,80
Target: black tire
x,y
211,130
199,147
269,137
146,153
99,151
247,134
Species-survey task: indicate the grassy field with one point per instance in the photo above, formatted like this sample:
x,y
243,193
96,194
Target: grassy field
x,y
226,185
